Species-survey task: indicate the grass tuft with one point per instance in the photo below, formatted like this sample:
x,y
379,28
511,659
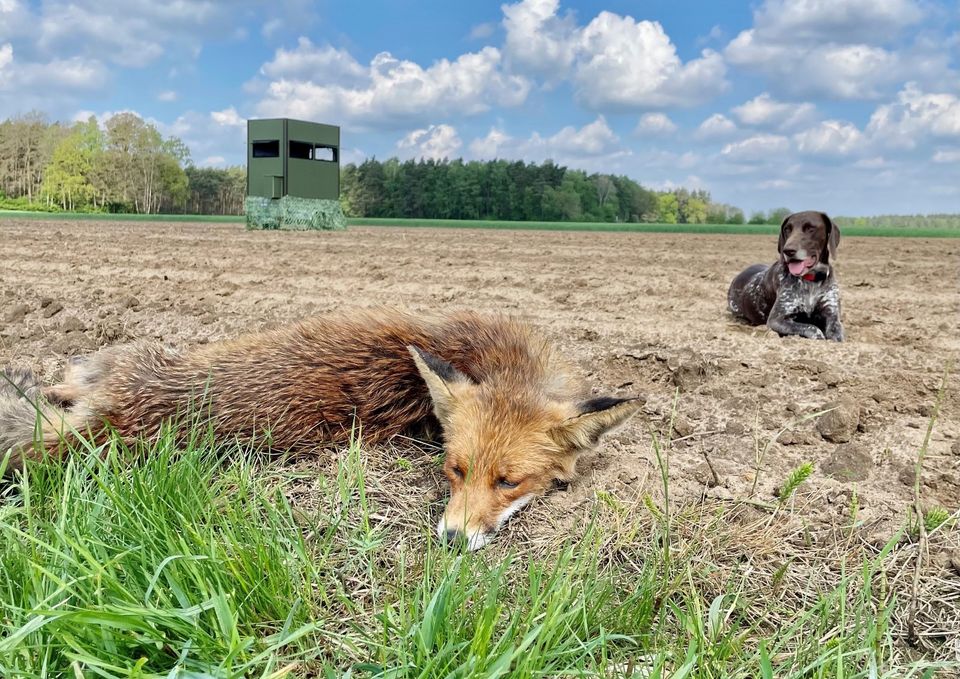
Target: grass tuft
x,y
796,477
161,562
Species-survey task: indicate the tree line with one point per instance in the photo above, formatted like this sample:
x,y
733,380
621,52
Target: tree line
x,y
122,165
516,191
931,221
125,164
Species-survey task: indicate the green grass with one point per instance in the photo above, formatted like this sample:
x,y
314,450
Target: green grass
x,y
107,216
761,229
187,564
742,229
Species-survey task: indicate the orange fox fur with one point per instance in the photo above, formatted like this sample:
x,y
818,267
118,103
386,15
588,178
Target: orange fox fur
x,y
509,413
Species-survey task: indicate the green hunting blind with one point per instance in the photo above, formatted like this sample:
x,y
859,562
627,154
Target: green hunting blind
x,y
293,175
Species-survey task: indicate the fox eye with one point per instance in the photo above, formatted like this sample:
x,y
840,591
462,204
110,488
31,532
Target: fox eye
x,y
506,485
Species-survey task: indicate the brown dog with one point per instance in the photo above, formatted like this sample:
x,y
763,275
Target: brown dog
x,y
799,294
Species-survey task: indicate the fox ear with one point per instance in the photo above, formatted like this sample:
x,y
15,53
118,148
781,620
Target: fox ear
x,y
444,382
597,417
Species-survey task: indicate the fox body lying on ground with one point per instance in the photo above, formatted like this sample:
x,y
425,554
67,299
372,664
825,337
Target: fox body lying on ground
x,y
510,416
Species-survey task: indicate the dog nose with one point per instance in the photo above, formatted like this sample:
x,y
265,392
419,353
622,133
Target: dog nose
x,y
789,252
452,534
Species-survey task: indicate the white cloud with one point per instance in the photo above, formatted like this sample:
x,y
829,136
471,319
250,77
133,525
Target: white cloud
x,y
655,124
629,64
775,184
592,139
836,48
915,115
490,147
538,41
396,92
6,55
765,111
691,181
133,33
594,145
759,147
855,71
15,19
482,31
716,34
830,138
352,155
228,117
716,126
216,134
60,76
614,62
130,33
668,160
871,163
167,95
271,27
307,62
436,141
213,161
947,156
840,20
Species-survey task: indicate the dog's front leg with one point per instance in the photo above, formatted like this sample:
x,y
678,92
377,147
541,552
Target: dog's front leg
x,y
830,311
834,329
783,324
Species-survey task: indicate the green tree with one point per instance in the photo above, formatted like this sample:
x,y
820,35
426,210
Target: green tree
x,y
695,211
777,215
68,179
735,216
667,208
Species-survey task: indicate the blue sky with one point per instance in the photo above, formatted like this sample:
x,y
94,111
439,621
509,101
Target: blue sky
x,y
850,106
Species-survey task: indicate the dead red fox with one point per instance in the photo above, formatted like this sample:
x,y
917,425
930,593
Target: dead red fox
x,y
510,417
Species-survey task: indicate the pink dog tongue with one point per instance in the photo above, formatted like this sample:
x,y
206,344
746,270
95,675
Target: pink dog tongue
x,y
797,268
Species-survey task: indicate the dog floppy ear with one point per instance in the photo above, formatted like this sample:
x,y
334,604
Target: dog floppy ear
x,y
444,382
596,417
833,238
783,238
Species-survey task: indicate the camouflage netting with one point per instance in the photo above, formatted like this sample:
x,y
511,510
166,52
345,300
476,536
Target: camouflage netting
x,y
294,214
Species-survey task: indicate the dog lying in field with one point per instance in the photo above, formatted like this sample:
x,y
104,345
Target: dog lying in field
x,y
798,295
510,417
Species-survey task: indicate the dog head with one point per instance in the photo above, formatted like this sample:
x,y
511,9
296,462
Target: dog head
x,y
504,446
808,241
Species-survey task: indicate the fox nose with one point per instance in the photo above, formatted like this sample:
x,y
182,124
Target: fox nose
x,y
789,252
452,534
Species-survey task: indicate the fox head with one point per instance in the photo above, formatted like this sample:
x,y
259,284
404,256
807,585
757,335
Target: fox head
x,y
506,446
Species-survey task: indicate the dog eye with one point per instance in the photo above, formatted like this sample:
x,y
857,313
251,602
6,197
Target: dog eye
x,y
459,472
807,228
507,485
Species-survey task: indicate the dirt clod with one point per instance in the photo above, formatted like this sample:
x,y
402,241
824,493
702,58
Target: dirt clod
x,y
840,424
17,313
734,428
51,309
72,324
848,462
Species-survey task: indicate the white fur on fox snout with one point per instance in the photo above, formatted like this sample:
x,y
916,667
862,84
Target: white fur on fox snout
x,y
477,537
